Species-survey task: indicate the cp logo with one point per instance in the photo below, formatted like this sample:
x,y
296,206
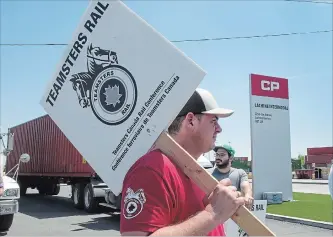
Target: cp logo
x,y
269,85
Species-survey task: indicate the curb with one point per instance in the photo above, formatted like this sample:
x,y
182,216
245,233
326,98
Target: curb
x,y
304,182
320,183
318,224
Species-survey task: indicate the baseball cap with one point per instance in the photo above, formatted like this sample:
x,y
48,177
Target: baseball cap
x,y
203,102
226,147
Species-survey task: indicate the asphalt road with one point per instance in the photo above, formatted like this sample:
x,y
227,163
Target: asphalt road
x,y
55,216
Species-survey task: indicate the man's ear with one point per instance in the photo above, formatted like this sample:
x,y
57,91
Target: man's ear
x,y
189,119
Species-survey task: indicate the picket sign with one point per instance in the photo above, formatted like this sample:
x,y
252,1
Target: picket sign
x,y
259,209
115,91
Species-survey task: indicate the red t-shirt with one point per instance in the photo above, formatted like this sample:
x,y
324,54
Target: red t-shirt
x,y
156,194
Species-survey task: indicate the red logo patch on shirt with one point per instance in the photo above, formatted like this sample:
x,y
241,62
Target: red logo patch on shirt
x,y
133,203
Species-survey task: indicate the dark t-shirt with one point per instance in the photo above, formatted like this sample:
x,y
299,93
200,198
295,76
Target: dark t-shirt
x,y
156,194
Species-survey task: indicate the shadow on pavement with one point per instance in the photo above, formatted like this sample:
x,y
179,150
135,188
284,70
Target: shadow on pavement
x,y
100,223
43,207
51,207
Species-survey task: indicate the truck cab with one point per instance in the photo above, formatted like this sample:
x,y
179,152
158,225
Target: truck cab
x,y
9,204
9,200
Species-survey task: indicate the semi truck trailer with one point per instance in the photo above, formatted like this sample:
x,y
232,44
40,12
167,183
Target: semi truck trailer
x,y
54,161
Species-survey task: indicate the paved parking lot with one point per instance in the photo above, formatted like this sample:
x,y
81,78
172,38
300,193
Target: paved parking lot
x,y
55,216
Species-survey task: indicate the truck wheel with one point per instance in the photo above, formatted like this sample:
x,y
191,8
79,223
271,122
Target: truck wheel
x,y
90,202
49,189
54,190
77,195
6,222
42,190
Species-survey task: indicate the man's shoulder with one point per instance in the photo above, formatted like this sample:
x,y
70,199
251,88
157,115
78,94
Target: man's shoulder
x,y
153,165
154,160
240,173
238,170
213,170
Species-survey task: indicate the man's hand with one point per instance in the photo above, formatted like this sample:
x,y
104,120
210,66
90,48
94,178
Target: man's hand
x,y
248,201
1,191
224,201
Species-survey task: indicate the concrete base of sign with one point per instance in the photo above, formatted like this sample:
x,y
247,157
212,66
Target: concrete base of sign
x,y
319,224
272,197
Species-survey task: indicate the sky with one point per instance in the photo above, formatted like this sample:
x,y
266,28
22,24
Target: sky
x,y
305,60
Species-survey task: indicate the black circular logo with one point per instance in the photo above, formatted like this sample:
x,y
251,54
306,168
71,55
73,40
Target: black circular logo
x,y
113,95
132,208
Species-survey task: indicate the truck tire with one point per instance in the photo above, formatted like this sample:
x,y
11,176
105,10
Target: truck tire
x,y
55,189
77,195
6,222
49,189
42,190
90,202
118,202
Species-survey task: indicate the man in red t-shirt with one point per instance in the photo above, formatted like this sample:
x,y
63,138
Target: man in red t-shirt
x,y
159,199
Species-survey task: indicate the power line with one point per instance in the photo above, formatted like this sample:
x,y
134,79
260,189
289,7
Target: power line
x,y
193,40
256,36
311,1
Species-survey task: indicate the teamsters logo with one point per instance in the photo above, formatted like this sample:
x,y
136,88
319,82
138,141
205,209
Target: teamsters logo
x,y
108,88
133,203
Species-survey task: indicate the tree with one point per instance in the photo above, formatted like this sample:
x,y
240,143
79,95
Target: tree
x,y
296,164
302,159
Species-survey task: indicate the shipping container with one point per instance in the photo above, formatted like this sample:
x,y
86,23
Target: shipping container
x,y
51,153
320,151
304,173
54,161
244,159
319,159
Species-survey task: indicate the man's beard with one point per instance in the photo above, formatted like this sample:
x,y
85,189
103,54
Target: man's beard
x,y
222,164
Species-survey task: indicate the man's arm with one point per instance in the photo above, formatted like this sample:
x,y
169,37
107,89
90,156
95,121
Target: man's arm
x,y
158,214
198,225
246,189
223,203
245,184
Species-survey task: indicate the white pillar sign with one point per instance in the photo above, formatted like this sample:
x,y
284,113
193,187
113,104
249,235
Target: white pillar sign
x,y
117,87
270,136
